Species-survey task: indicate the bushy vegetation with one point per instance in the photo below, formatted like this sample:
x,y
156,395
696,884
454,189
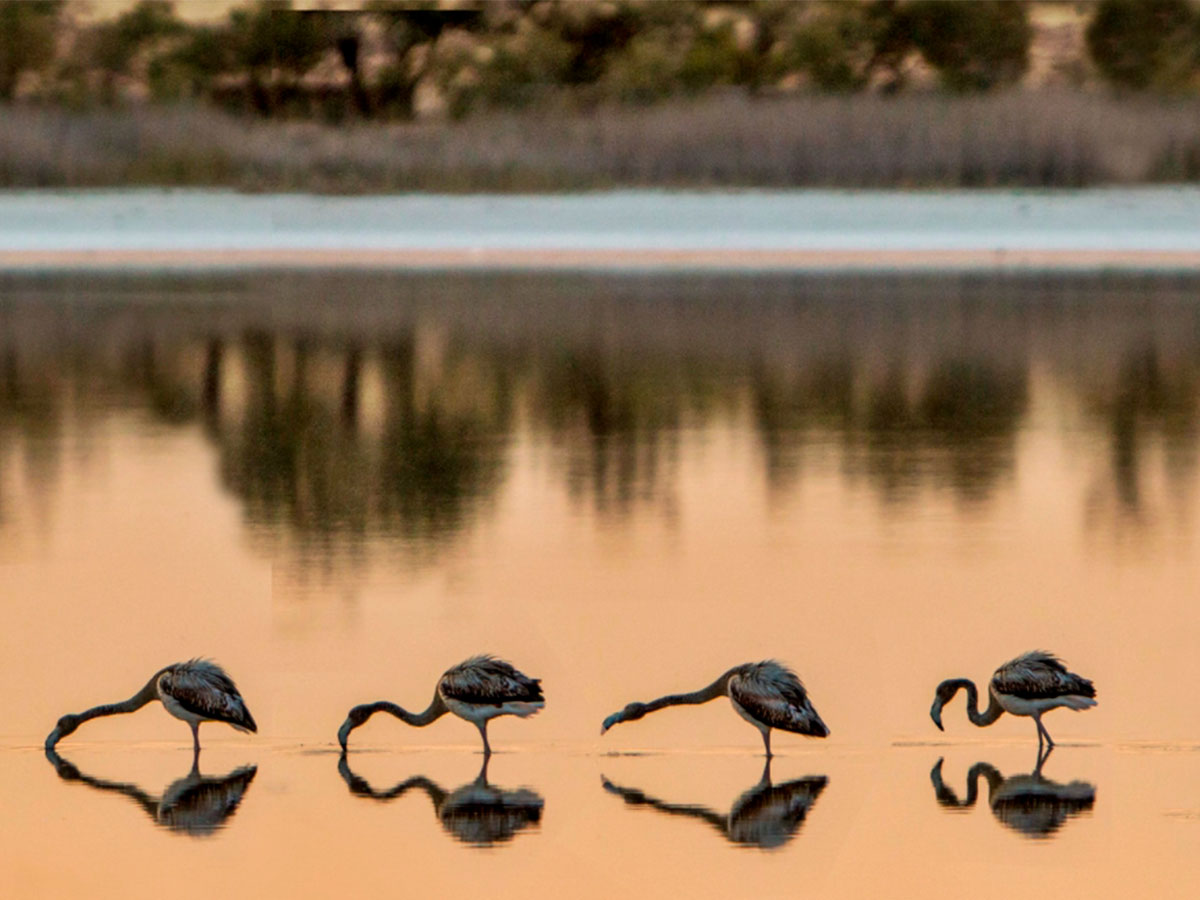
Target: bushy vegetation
x,y
867,140
595,93
431,60
1143,44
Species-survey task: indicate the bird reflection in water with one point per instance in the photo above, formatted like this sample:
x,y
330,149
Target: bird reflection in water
x,y
1031,804
766,815
197,805
477,813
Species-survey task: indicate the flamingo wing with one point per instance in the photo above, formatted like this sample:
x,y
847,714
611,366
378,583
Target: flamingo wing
x,y
772,694
486,680
1039,675
201,687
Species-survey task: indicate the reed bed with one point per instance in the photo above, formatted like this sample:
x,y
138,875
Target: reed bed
x,y
1020,139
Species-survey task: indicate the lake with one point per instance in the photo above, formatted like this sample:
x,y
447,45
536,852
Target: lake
x,y
338,485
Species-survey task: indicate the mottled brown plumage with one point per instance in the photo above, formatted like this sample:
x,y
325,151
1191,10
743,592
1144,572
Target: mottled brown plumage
x,y
203,689
486,680
1038,675
477,689
1030,685
195,691
767,694
773,695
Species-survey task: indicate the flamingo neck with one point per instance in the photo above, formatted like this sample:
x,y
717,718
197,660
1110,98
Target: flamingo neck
x,y
359,715
989,715
359,785
946,795
134,703
432,713
994,779
717,689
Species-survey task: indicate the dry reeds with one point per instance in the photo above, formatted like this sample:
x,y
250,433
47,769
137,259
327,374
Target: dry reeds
x,y
1016,139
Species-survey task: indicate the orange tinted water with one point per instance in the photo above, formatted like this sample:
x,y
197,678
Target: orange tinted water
x,y
339,486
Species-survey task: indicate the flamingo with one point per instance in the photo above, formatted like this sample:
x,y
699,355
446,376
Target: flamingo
x,y
477,689
1029,685
195,691
766,694
766,815
477,813
195,804
1031,804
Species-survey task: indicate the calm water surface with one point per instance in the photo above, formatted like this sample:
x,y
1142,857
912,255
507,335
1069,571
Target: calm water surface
x,y
340,485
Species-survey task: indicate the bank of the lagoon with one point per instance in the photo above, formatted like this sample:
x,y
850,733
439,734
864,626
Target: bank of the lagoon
x,y
1143,228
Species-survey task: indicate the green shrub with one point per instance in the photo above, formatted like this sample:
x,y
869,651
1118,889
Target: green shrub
x,y
522,68
836,46
1143,44
974,46
27,32
189,68
712,59
646,71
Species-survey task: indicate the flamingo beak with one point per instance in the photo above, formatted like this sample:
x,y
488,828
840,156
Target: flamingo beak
x,y
935,713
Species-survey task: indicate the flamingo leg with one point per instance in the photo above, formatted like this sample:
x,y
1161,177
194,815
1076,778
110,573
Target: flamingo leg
x,y
766,735
1041,759
1049,740
1042,732
195,738
487,748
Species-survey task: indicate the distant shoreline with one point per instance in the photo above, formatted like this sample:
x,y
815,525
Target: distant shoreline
x,y
606,260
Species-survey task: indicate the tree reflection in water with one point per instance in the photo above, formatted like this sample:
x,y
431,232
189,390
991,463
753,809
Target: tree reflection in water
x,y
345,408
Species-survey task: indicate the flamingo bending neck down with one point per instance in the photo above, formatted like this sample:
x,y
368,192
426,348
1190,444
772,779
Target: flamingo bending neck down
x,y
477,689
1029,685
195,691
766,694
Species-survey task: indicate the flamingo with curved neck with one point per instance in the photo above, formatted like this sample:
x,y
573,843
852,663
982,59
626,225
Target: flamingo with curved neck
x,y
359,714
478,689
766,694
195,691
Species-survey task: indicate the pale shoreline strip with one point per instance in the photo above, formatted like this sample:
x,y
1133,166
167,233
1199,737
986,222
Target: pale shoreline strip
x,y
807,260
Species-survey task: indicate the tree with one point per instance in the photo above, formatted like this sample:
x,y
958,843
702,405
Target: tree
x,y
1142,44
115,44
27,32
974,46
839,45
275,45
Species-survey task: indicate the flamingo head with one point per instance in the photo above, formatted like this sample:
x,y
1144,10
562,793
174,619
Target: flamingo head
x,y
354,718
62,728
944,694
630,713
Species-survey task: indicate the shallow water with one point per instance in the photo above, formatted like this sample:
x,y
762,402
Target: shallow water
x,y
340,485
1112,219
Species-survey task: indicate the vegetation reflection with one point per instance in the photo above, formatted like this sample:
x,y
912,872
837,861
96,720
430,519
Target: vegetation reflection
x,y
766,815
393,416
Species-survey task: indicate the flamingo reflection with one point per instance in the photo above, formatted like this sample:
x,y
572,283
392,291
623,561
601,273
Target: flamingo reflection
x,y
1031,804
766,815
477,813
197,805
